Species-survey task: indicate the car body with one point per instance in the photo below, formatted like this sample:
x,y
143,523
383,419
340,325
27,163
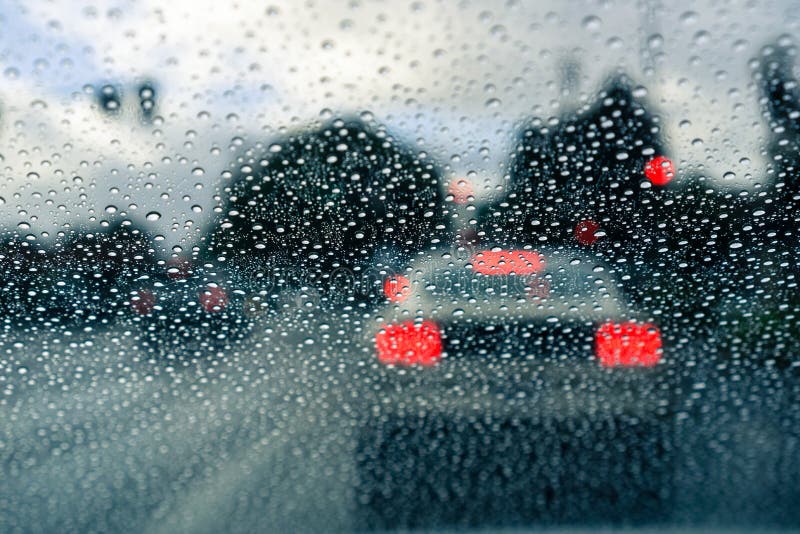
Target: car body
x,y
24,270
77,278
521,368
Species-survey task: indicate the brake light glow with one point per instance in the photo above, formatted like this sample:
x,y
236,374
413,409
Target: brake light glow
x,y
397,288
500,262
213,298
628,344
659,170
461,190
586,232
143,302
409,343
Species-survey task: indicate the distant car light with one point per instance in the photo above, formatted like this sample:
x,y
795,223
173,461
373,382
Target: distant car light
x,y
143,302
409,343
397,288
586,232
213,298
628,344
500,262
659,170
461,190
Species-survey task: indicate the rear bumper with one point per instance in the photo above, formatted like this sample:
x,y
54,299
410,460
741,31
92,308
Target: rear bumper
x,y
434,470
516,425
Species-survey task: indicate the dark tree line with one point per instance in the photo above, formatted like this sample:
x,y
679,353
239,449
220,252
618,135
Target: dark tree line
x,y
350,194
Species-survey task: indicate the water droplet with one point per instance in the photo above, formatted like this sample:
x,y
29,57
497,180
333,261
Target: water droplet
x,y
655,41
592,23
153,216
688,17
701,38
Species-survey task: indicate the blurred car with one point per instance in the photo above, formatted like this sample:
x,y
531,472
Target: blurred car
x,y
87,267
75,279
24,271
512,384
188,302
327,199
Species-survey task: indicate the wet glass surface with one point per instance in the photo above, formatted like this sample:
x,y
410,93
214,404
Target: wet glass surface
x,y
378,266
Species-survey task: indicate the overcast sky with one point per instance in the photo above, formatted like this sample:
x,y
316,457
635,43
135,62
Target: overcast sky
x,y
455,78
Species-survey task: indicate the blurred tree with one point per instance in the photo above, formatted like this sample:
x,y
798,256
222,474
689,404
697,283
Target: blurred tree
x,y
340,195
601,178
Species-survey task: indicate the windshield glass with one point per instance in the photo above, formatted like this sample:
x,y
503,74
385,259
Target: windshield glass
x,y
378,265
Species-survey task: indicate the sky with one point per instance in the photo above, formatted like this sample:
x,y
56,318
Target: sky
x,y
455,79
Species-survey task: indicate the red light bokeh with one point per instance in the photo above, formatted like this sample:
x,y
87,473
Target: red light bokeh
x,y
213,299
628,345
659,170
586,232
143,302
461,191
503,262
397,288
409,344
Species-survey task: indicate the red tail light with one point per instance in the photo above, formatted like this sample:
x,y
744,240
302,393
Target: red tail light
x,y
628,345
461,190
409,344
586,232
659,170
213,299
143,302
500,262
397,288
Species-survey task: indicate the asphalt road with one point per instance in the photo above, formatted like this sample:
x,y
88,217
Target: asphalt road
x,y
105,431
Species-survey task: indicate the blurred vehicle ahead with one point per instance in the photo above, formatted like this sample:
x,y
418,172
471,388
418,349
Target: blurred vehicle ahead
x,y
538,343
